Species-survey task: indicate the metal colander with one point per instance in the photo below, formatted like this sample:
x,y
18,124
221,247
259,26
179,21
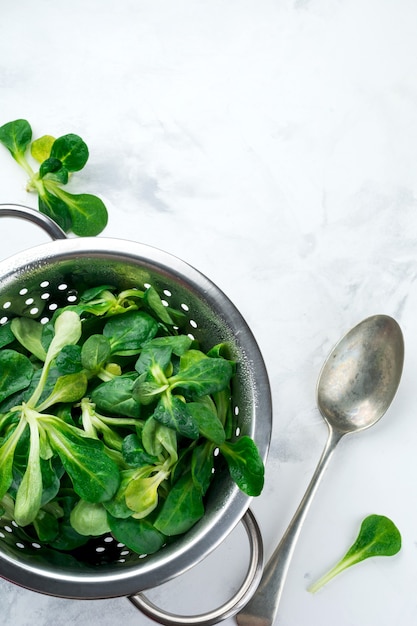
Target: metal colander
x,y
34,283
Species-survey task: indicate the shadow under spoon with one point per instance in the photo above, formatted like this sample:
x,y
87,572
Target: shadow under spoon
x,y
356,386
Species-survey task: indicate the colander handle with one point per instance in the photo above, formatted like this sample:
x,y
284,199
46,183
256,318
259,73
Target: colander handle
x,y
34,216
232,606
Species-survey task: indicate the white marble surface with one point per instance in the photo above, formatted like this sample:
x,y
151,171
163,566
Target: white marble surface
x,y
273,145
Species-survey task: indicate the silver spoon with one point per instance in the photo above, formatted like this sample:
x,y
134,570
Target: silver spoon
x,y
356,386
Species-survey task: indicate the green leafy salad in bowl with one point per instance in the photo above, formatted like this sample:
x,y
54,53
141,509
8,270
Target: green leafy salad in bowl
x,y
112,421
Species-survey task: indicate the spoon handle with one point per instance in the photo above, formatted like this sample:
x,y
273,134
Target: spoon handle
x,y
262,608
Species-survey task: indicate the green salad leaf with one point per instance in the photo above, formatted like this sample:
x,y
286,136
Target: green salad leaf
x,y
83,214
378,536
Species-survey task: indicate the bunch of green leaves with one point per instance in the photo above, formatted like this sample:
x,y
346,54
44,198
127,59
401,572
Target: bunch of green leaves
x,y
111,420
57,159
378,536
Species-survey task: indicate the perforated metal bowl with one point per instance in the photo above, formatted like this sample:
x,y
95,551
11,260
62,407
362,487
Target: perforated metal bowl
x,y
33,283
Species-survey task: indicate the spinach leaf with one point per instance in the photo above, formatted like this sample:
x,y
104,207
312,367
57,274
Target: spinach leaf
x,y
7,451
138,535
115,396
29,333
202,463
378,536
67,538
204,377
40,148
29,494
94,475
68,360
158,439
182,508
50,205
153,300
134,453
16,137
6,335
88,213
71,151
68,388
51,475
117,506
46,526
205,416
159,351
95,353
16,372
127,333
67,329
89,518
173,412
141,493
54,169
150,385
245,465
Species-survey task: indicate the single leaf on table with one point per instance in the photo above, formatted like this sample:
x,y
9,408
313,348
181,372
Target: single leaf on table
x,y
54,169
40,148
88,213
16,137
378,536
71,150
55,208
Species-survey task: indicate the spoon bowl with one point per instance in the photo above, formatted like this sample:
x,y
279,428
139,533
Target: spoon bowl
x,y
361,375
356,385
